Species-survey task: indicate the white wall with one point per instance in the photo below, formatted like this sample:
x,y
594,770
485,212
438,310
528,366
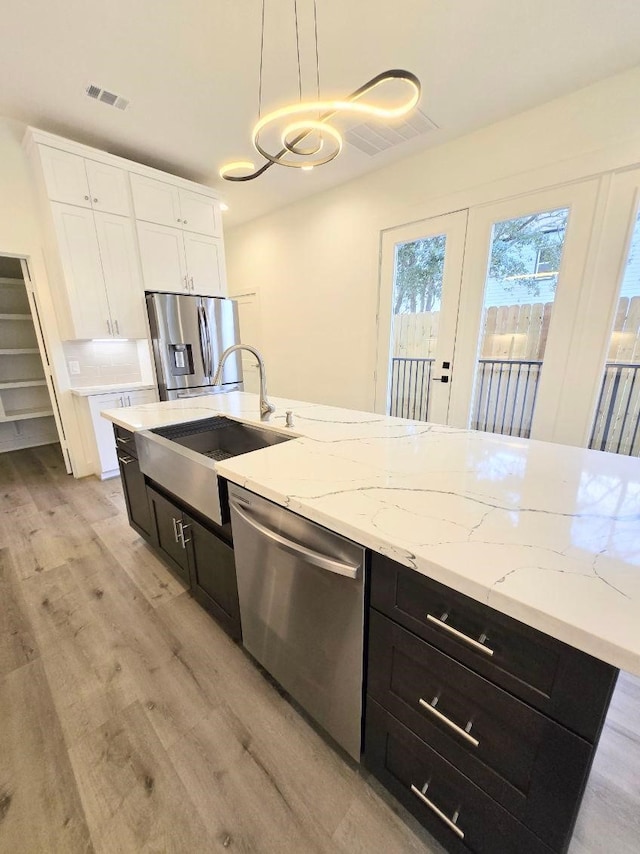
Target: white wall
x,y
315,264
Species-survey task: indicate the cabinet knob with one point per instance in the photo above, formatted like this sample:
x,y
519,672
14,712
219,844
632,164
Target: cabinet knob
x,y
179,220
95,200
86,198
184,222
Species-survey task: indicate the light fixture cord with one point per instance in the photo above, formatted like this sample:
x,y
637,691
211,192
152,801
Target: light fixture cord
x,y
295,11
261,62
315,28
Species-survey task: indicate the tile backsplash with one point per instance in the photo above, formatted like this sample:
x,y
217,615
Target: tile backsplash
x,y
102,362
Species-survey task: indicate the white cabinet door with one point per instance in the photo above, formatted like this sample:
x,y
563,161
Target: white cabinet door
x,y
65,177
200,214
205,265
125,293
103,431
155,201
80,256
162,257
143,395
108,188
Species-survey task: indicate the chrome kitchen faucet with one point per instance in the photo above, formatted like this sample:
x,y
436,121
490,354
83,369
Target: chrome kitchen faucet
x,y
266,408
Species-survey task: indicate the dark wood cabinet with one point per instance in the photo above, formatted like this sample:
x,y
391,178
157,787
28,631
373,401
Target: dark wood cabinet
x,y
197,550
500,721
166,518
213,574
133,483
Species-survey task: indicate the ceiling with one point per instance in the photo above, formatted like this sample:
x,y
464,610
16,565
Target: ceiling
x,y
190,71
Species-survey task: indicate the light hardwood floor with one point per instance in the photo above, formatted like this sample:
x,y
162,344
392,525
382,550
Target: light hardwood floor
x,y
129,722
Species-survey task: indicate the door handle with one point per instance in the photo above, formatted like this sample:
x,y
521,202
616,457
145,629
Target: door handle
x,y
209,365
310,556
450,822
439,379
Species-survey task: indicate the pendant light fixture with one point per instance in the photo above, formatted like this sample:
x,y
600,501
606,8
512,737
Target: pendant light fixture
x,y
302,130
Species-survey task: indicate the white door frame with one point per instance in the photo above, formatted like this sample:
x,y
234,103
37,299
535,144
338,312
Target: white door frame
x,y
453,226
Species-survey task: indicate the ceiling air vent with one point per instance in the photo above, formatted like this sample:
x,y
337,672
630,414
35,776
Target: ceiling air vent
x,y
106,97
372,138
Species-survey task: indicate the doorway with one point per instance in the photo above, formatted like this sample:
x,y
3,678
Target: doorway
x,y
29,414
480,310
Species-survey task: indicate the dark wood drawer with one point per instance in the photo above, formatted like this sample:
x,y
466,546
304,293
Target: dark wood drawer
x,y
400,760
125,441
568,685
534,767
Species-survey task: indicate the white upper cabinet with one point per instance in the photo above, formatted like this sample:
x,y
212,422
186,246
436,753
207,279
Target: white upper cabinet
x,y
73,180
180,262
119,257
200,214
108,187
164,204
205,265
80,256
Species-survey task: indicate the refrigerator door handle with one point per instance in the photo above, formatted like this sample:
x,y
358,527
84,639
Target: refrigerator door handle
x,y
209,362
203,340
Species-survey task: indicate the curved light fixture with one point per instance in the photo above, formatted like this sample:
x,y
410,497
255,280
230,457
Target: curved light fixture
x,y
296,122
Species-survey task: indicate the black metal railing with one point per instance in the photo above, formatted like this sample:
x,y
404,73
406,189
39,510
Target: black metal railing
x,y
410,385
616,426
505,396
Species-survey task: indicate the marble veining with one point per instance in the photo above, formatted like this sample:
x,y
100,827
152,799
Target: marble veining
x,y
548,534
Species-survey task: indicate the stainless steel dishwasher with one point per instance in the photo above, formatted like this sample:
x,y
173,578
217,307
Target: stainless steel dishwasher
x,y
301,591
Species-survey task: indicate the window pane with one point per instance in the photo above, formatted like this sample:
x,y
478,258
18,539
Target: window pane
x,y
417,292
617,423
520,289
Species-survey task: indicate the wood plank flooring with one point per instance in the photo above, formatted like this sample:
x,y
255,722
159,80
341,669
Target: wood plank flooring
x,y
129,722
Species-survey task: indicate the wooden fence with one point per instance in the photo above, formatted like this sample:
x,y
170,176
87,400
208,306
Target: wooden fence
x,y
513,346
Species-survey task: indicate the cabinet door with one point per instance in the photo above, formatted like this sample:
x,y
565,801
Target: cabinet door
x,y
80,256
119,257
65,177
144,395
165,517
213,575
205,265
155,201
200,214
135,495
108,188
162,257
103,432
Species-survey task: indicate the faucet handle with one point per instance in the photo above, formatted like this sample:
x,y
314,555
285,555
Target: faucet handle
x,y
289,421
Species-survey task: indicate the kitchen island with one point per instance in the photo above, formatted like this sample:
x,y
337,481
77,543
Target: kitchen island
x,y
547,534
502,584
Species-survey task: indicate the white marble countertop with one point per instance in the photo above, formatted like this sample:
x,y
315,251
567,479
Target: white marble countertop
x,y
548,534
87,391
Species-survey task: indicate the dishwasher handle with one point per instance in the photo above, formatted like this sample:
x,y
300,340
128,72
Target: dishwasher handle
x,y
309,555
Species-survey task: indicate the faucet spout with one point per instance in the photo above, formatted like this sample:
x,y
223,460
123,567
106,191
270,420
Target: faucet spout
x,y
266,408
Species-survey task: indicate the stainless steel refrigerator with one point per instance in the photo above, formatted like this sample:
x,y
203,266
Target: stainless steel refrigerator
x,y
188,336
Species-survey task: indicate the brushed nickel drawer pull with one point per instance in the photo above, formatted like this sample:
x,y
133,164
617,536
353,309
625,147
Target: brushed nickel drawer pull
x,y
175,529
122,441
425,800
445,720
181,528
125,460
465,638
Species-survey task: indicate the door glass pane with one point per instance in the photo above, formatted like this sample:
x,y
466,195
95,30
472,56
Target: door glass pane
x,y
417,293
520,289
617,423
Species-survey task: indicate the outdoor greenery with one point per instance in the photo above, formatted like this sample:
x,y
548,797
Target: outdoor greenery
x,y
517,246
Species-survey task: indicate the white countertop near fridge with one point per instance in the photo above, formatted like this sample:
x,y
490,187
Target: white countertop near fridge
x,y
88,391
548,534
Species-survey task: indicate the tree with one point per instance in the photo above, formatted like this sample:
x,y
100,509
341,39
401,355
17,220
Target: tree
x,y
515,246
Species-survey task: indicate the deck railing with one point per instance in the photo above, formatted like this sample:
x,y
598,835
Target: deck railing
x,y
505,398
617,423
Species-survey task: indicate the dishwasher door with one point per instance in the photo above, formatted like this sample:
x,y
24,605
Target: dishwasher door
x,y
301,592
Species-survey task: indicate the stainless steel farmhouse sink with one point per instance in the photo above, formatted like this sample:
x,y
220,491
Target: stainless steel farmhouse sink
x,y
182,457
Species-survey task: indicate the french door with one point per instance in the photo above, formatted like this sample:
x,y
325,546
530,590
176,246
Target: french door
x,y
419,299
479,311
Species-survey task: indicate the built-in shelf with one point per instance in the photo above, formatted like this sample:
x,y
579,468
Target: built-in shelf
x,y
19,351
15,317
21,383
24,414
